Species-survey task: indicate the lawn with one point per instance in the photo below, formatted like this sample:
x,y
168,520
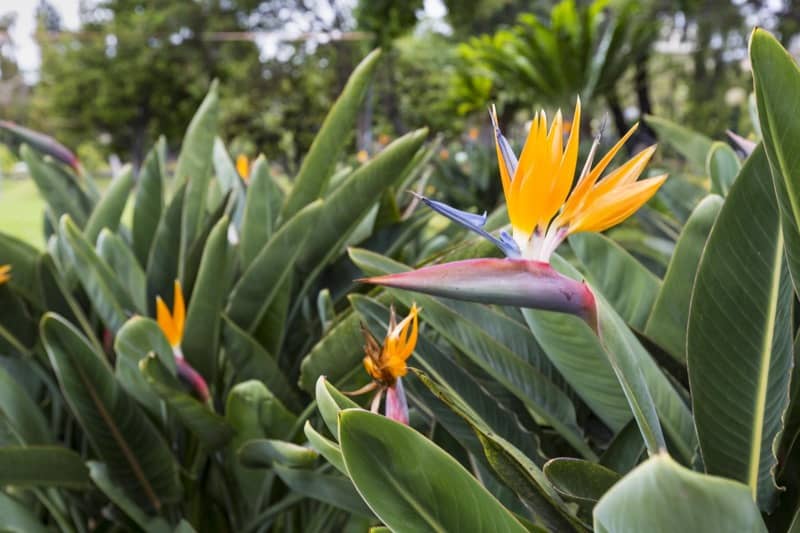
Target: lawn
x,y
22,210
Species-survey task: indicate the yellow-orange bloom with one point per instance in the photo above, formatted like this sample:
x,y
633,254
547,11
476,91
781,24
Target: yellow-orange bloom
x,y
541,207
243,167
388,362
5,273
362,156
172,323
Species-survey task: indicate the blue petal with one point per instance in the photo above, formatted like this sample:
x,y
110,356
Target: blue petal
x,y
505,147
474,223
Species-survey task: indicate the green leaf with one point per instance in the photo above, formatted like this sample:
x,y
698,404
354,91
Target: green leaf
x,y
61,198
333,136
325,447
138,457
519,472
18,518
138,337
722,166
254,413
589,366
775,76
211,430
260,211
330,402
251,361
102,478
43,466
334,355
413,485
346,206
162,265
122,261
539,395
262,453
739,343
149,202
194,168
332,489
200,341
662,496
109,297
20,416
690,144
624,281
260,283
578,480
668,320
108,210
22,257
624,450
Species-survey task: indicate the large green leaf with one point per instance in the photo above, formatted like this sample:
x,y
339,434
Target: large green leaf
x,y
522,379
625,282
261,282
260,211
61,198
576,480
109,209
203,318
137,338
519,472
263,453
109,297
722,166
43,466
777,80
413,485
667,323
333,135
212,430
690,144
194,168
149,201
122,261
18,518
138,457
332,489
251,361
162,264
661,496
739,342
20,417
335,355
101,476
611,373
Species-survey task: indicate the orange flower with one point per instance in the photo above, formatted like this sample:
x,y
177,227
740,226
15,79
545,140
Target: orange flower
x,y
387,363
243,167
541,207
362,156
5,273
172,323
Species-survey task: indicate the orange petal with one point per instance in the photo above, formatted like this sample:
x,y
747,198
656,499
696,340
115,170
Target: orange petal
x,y
5,273
562,180
624,175
178,310
616,206
243,167
581,190
165,322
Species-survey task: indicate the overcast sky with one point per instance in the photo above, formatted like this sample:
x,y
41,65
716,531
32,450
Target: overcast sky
x,y
22,33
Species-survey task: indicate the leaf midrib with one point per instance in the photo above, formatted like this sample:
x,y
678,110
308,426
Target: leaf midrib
x,y
763,382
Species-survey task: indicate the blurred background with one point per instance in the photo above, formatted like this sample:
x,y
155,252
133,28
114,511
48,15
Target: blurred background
x,y
107,77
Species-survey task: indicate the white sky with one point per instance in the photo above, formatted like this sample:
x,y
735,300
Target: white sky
x,y
28,52
22,33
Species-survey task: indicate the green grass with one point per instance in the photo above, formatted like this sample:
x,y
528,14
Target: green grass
x,y
22,211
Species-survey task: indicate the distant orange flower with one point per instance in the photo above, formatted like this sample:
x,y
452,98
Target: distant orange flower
x,y
473,133
5,273
243,167
362,156
383,139
444,154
